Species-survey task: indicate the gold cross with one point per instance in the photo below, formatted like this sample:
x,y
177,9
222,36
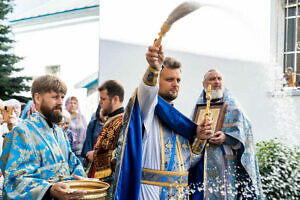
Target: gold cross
x,y
169,145
184,146
213,174
181,179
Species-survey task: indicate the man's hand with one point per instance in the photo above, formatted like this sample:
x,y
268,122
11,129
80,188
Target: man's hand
x,y
61,191
90,156
155,57
218,138
204,129
78,177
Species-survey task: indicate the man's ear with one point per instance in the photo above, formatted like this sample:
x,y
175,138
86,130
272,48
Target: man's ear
x,y
37,97
116,99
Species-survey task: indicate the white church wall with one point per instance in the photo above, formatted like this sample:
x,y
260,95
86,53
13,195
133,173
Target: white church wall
x,y
73,46
248,81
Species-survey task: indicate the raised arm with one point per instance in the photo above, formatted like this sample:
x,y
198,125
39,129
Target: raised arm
x,y
148,89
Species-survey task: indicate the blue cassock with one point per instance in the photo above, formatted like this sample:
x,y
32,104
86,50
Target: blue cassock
x,y
32,154
127,181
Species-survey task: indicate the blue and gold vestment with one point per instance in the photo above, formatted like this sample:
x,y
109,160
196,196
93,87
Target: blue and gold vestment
x,y
154,153
32,154
220,175
172,178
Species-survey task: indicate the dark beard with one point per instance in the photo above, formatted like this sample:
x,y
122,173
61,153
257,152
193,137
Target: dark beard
x,y
167,97
50,114
107,111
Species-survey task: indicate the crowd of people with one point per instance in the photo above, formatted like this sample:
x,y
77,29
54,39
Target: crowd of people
x,y
148,150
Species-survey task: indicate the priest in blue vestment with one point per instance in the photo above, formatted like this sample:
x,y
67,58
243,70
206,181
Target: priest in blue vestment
x,y
228,167
36,155
154,153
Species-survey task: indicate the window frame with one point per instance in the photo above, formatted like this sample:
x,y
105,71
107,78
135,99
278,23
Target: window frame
x,y
291,71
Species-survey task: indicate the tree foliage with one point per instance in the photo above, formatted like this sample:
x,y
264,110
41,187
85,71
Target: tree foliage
x,y
10,85
280,170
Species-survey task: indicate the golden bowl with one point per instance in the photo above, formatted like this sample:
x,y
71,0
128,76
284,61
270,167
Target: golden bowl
x,y
95,189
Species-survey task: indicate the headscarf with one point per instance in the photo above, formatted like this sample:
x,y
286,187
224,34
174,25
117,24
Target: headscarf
x,y
15,104
78,127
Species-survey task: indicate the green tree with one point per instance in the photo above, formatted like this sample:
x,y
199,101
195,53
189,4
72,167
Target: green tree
x,y
10,85
279,169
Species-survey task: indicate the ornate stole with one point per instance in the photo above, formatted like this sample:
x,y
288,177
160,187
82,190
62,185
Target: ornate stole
x,y
175,162
105,145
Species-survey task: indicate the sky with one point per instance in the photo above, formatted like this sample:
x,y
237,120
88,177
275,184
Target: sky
x,y
24,5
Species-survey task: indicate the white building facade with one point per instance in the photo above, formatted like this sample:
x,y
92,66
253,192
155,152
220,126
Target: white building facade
x,y
61,38
83,45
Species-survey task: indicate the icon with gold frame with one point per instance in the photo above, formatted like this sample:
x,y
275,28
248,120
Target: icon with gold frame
x,y
217,114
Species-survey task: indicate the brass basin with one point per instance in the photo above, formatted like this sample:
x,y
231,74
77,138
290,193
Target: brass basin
x,y
95,189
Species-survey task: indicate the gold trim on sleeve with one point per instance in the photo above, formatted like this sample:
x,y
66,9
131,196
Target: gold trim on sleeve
x,y
196,146
103,173
150,77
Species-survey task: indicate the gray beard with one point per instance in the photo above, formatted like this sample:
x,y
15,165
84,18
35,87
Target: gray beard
x,y
216,94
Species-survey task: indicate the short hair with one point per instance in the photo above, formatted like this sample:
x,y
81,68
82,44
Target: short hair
x,y
114,88
172,63
208,72
48,83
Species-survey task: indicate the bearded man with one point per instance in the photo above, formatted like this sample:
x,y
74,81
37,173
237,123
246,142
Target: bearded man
x,y
155,153
228,167
111,99
36,155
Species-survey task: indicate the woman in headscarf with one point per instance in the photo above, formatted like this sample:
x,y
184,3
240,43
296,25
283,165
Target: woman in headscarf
x,y
77,125
16,112
8,125
16,106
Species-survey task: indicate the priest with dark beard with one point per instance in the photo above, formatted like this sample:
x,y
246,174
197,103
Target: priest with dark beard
x,y
36,156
